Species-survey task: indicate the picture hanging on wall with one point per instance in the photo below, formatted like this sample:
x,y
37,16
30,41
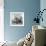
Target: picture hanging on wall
x,y
16,18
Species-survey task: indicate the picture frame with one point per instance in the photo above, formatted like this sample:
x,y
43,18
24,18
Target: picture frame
x,y
16,18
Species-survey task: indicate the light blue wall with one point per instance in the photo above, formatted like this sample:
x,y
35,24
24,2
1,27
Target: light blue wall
x,y
29,7
43,6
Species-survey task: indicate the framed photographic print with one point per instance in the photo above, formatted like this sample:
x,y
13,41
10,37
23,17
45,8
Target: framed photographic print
x,y
16,18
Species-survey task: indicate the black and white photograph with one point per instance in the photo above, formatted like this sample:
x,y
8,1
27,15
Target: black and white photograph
x,y
16,18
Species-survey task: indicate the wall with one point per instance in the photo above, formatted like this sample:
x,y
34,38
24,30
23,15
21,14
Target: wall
x,y
29,7
43,6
